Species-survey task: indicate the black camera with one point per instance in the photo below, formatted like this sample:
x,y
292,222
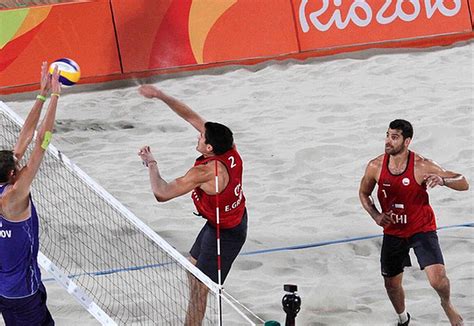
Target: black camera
x,y
291,303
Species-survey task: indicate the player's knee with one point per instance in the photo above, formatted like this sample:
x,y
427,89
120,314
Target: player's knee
x,y
392,288
439,282
437,277
392,284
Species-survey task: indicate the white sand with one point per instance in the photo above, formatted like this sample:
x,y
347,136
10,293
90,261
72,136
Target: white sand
x,y
306,131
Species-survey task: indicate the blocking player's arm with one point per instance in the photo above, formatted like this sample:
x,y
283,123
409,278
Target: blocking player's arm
x,y
434,175
18,195
165,191
28,129
177,106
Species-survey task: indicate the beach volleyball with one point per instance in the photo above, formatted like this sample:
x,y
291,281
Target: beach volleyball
x,y
69,71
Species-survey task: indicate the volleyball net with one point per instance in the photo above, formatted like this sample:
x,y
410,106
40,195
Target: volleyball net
x,y
119,269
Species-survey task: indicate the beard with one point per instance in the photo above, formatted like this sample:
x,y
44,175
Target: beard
x,y
390,150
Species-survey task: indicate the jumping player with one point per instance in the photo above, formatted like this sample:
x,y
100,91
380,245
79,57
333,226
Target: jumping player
x,y
403,178
217,149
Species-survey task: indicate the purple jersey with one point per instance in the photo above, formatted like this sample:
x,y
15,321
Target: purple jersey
x,y
19,272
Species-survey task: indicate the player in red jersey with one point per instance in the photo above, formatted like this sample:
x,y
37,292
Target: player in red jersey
x,y
406,216
216,145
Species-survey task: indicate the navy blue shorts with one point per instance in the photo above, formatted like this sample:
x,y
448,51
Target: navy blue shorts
x,y
204,249
27,311
395,252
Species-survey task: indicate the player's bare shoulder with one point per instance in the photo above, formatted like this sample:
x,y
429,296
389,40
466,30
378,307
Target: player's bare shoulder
x,y
424,164
420,159
374,167
203,172
376,163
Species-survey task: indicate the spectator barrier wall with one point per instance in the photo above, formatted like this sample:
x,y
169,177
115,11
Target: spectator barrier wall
x,y
118,39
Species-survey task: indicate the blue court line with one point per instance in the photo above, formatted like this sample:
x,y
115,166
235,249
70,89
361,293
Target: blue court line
x,y
251,253
111,271
116,270
326,243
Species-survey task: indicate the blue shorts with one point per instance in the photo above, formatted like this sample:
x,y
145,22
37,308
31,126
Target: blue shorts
x,y
395,252
204,249
27,311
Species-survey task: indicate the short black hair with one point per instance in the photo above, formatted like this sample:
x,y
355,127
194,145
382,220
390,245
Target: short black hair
x,y
7,164
219,137
404,126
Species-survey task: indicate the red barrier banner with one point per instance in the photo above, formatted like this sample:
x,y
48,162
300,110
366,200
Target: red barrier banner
x,y
333,23
172,33
159,36
82,31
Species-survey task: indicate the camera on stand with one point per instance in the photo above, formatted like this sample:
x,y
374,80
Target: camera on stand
x,y
291,304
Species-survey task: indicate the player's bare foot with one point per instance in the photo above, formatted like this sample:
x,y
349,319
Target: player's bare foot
x,y
454,317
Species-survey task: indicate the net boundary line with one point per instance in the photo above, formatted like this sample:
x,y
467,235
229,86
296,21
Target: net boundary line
x,y
233,301
75,291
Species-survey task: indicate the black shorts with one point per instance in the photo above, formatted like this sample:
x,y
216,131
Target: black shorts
x,y
27,311
204,249
395,257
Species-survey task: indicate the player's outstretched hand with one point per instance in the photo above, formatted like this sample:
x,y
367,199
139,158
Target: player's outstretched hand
x,y
150,91
146,155
55,84
45,82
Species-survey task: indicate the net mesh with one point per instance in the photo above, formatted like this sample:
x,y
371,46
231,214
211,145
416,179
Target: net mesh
x,y
125,272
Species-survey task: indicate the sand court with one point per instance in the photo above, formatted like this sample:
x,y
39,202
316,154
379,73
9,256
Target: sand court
x,y
306,131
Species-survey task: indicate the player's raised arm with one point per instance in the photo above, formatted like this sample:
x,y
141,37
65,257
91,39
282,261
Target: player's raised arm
x,y
28,129
181,109
21,188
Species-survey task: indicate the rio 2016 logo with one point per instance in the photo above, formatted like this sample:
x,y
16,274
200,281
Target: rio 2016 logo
x,y
362,14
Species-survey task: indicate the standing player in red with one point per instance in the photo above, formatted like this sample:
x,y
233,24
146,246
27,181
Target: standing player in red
x,y
407,218
218,152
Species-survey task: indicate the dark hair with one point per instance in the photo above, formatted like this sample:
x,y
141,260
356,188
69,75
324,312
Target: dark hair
x,y
7,164
404,126
219,137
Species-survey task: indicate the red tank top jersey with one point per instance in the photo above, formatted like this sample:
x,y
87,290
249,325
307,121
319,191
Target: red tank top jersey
x,y
231,200
407,200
